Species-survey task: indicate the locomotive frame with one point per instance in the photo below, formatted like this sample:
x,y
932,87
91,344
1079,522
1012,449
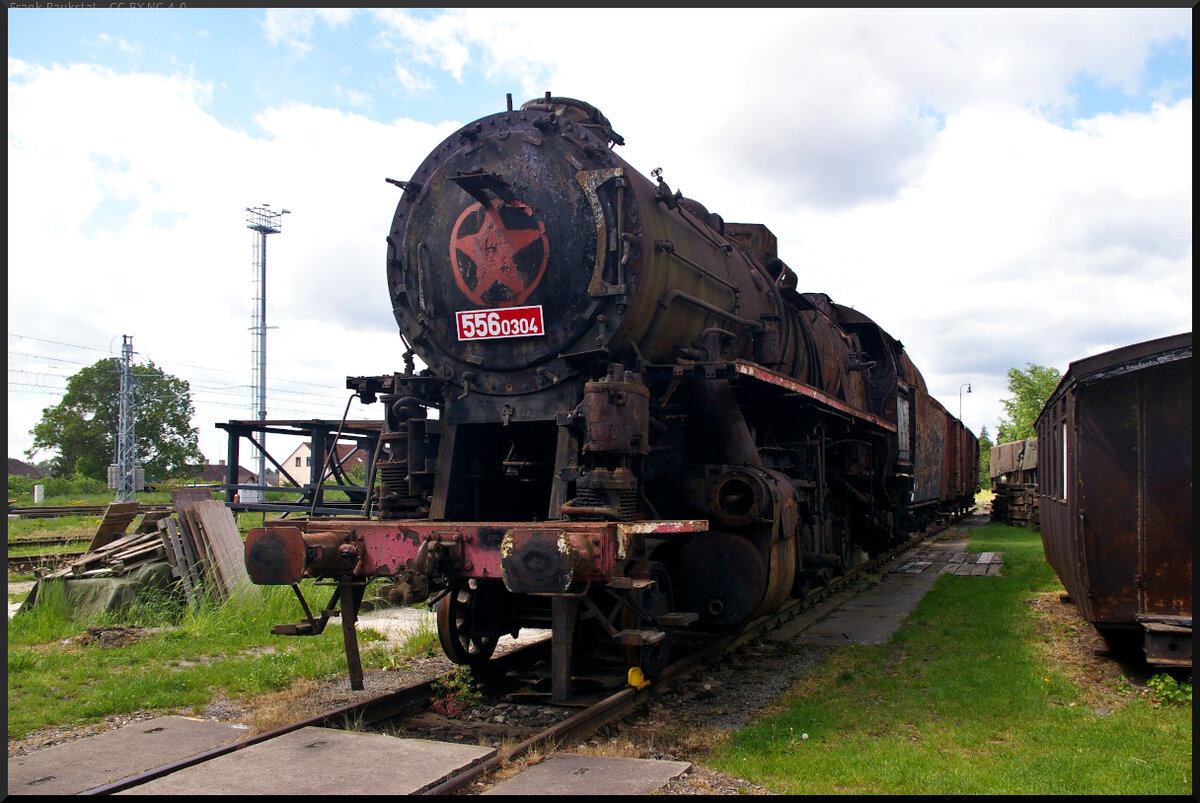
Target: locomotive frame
x,y
629,421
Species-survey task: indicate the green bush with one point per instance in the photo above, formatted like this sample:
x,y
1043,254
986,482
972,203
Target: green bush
x,y
454,693
172,483
21,486
72,487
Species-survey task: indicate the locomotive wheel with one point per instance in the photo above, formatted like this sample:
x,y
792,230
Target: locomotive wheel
x,y
852,555
807,578
837,537
458,626
833,539
654,601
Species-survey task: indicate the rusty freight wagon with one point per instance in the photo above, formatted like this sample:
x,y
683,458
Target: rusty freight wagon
x,y
1115,493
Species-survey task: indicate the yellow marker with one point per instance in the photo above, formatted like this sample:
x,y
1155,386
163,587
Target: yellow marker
x,y
637,679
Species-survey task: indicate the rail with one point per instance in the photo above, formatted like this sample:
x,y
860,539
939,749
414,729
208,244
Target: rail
x,y
54,511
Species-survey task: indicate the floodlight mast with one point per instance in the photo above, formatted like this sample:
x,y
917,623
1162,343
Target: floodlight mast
x,y
263,220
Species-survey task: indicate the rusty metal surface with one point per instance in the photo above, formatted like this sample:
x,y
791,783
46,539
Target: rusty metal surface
x,y
387,547
963,476
1115,440
929,444
275,556
721,576
1017,457
513,235
617,411
545,560
775,378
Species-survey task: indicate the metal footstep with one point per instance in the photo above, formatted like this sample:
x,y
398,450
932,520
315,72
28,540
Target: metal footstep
x,y
640,638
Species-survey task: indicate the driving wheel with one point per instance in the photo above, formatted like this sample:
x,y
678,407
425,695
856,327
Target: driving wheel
x,y
461,625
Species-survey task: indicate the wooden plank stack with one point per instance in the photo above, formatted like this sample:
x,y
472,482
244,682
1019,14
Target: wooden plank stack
x,y
117,517
115,557
1016,503
198,537
111,550
208,549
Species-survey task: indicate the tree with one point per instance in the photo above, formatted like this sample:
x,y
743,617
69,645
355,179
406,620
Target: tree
x,y
82,427
985,458
1030,388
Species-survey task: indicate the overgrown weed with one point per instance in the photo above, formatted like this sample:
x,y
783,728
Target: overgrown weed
x,y
455,692
55,678
1164,690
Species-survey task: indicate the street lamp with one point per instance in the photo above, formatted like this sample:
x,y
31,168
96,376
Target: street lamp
x,y
966,385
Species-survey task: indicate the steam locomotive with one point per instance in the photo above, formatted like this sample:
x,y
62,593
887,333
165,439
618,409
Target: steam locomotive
x,y
629,421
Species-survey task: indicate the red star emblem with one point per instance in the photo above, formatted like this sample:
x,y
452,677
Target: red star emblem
x,y
499,253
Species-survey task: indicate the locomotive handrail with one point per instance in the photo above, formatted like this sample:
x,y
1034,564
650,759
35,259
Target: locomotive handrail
x,y
668,247
668,297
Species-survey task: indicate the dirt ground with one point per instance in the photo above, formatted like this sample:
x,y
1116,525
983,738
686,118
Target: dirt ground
x,y
1074,645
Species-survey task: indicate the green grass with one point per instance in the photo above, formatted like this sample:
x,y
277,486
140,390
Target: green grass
x,y
183,660
421,642
105,498
960,701
73,526
47,549
57,678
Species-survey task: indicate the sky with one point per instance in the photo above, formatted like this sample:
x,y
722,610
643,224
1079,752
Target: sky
x,y
994,188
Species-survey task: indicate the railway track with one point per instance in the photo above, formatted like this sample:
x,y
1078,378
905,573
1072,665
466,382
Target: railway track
x,y
513,680
61,540
25,563
55,511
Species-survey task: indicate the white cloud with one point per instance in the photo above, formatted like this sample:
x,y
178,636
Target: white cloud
x,y
1019,224
293,27
922,167
169,258
359,100
831,108
437,42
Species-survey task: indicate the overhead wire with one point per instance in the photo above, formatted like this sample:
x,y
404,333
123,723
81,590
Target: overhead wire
x,y
204,390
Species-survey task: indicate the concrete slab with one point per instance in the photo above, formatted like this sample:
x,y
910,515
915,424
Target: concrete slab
x,y
572,774
321,761
22,587
397,624
873,616
75,767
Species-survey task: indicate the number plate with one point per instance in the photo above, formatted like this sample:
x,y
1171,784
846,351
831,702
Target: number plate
x,y
499,323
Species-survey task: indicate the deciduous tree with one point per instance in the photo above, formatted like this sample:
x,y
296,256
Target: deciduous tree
x,y
1030,388
82,427
985,458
